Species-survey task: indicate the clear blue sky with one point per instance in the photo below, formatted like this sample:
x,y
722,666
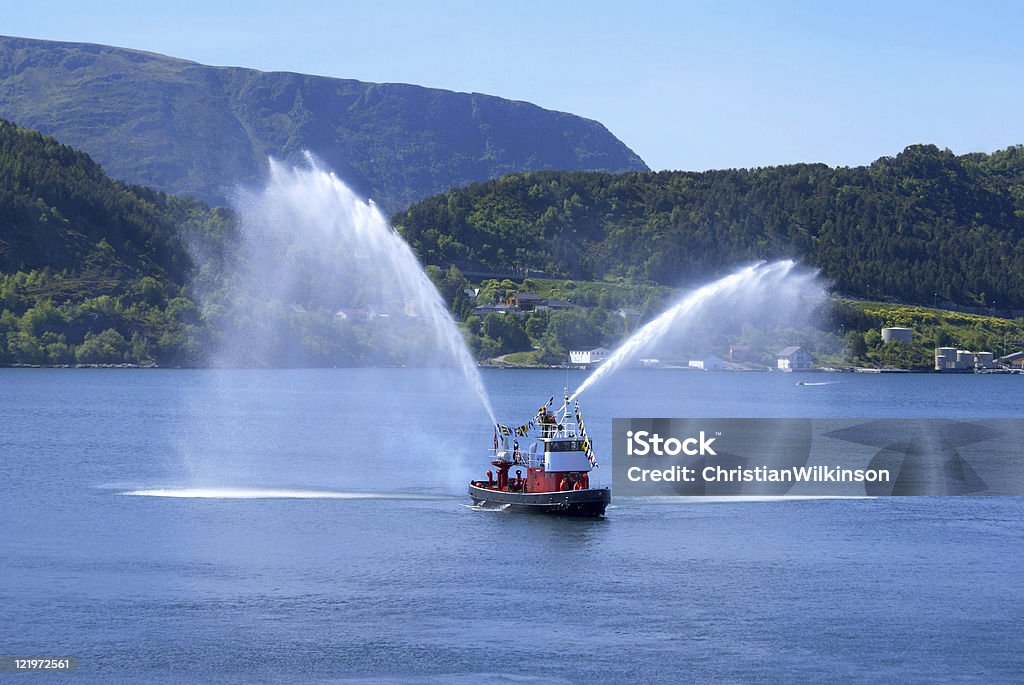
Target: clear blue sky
x,y
694,85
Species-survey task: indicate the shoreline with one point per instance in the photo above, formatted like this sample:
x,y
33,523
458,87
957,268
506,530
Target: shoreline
x,y
541,367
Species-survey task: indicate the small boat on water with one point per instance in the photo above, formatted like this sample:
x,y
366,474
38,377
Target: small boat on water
x,y
552,476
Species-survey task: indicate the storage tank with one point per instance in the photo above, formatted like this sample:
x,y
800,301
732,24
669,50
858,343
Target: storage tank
x,y
964,359
945,358
897,334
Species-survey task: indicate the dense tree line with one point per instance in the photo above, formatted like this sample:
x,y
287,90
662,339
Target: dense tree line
x,y
92,271
59,210
924,226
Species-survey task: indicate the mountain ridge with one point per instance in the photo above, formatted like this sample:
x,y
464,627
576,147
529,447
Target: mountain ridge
x,y
183,127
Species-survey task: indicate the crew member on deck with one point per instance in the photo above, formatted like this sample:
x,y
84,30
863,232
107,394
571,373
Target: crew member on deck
x,y
547,423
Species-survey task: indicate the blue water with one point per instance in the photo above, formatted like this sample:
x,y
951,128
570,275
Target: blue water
x,y
374,570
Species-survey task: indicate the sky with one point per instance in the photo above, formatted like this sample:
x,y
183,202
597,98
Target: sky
x,y
686,85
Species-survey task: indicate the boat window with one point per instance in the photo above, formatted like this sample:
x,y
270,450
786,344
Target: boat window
x,y
564,446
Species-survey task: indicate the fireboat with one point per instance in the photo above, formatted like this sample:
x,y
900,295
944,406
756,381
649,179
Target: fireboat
x,y
558,465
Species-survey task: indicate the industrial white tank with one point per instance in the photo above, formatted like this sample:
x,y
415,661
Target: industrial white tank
x,y
897,334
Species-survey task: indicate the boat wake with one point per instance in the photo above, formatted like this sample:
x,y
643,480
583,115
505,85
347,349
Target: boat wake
x,y
270,493
481,507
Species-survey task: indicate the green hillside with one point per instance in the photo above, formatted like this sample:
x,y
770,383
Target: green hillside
x,y
91,270
186,128
862,323
925,226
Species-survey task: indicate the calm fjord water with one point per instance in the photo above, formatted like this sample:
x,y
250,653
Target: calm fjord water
x,y
374,570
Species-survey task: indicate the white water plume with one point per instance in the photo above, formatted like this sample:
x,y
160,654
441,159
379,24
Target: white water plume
x,y
776,291
382,391
320,278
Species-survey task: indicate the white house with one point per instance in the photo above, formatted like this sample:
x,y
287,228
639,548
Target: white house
x,y
794,359
711,363
588,357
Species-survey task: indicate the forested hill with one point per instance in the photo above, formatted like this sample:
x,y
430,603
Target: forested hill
x,y
92,270
923,226
59,211
187,128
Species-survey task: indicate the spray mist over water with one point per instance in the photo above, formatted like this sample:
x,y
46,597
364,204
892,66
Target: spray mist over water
x,y
323,280
778,292
316,278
